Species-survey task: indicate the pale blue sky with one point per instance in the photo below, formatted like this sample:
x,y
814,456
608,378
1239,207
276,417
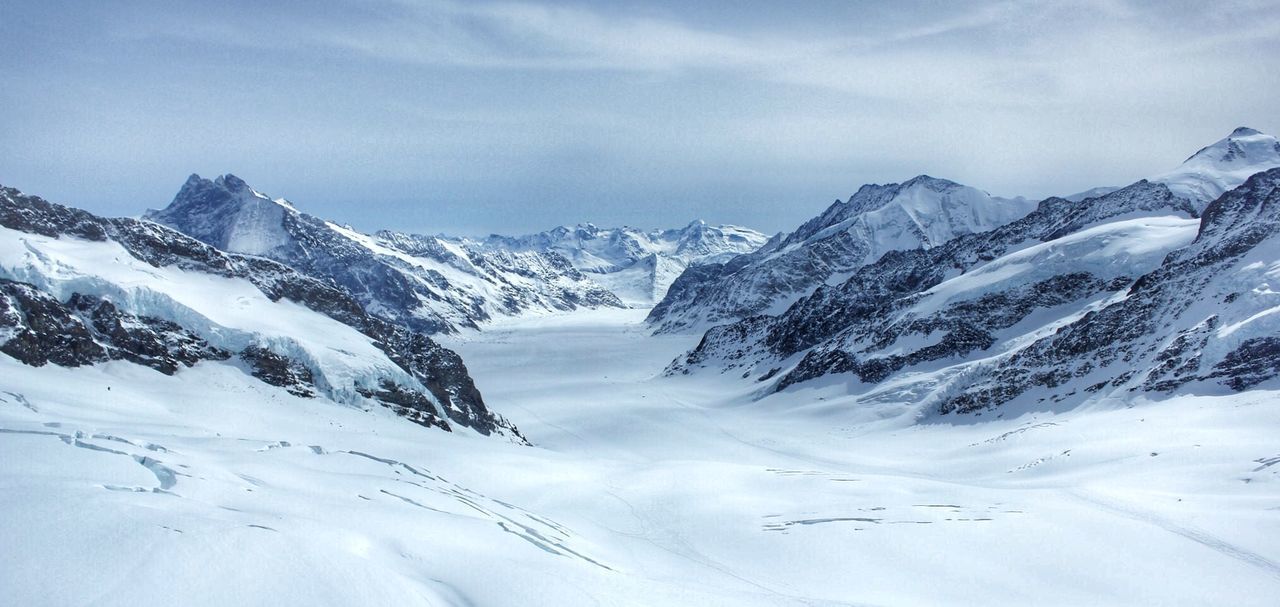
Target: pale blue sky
x,y
518,116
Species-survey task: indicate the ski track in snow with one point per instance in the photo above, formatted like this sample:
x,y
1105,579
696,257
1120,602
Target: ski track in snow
x,y
1200,537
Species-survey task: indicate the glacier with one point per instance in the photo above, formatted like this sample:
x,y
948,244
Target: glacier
x,y
925,395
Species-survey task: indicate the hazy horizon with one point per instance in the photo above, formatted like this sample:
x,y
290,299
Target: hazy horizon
x,y
471,118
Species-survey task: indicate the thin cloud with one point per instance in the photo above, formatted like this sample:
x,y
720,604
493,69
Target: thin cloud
x,y
600,112
1006,43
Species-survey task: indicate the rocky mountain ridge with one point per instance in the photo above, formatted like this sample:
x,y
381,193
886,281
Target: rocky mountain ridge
x,y
80,289
1134,290
921,212
426,283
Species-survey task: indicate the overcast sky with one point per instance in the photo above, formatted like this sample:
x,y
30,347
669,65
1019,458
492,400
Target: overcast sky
x,y
477,117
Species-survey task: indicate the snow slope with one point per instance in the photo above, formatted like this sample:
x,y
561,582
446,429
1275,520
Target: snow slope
x,y
642,490
229,313
1223,166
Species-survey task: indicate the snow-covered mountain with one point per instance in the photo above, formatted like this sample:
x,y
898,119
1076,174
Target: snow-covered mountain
x,y
1213,170
427,283
923,212
1110,295
920,213
636,265
77,289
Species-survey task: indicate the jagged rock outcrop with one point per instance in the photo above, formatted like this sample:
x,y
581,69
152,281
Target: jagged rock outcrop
x,y
37,329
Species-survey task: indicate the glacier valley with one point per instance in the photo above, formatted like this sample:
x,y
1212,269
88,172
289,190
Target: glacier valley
x,y
924,395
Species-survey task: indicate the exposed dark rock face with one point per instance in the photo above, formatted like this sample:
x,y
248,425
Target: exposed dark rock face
x,y
407,403
1255,361
873,290
88,329
280,371
144,340
686,287
966,327
867,300
41,330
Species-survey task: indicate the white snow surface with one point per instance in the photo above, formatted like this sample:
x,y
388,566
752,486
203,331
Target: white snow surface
x,y
122,486
1223,166
1127,248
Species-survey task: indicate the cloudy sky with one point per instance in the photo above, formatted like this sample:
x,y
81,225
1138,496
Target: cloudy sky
x,y
475,117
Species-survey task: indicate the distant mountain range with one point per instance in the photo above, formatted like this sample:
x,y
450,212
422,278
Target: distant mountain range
x,y
636,265
439,283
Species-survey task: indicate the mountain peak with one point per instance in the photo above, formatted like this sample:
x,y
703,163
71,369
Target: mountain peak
x,y
232,183
227,214
1223,165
